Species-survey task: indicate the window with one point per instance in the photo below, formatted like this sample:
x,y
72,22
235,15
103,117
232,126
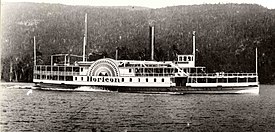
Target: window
x,y
81,69
69,78
162,79
155,80
130,79
61,68
87,79
122,79
252,79
81,78
55,68
138,79
76,69
189,80
75,78
241,79
61,78
69,69
201,80
55,77
130,70
146,79
232,80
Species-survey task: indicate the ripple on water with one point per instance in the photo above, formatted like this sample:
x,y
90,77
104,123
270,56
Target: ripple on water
x,y
91,111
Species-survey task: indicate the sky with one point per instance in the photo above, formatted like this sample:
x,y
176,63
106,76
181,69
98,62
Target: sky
x,y
148,3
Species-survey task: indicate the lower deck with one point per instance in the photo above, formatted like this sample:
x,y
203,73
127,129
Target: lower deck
x,y
112,81
159,84
172,90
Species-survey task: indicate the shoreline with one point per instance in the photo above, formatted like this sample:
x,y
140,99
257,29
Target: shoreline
x,y
16,83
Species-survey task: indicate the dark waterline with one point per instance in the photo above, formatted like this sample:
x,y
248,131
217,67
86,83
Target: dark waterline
x,y
113,111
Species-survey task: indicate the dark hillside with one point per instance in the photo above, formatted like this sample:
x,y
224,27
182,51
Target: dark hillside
x,y
227,35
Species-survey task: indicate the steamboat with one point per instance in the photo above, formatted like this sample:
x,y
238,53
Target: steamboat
x,y
180,76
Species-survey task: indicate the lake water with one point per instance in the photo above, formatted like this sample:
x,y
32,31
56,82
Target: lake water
x,y
113,111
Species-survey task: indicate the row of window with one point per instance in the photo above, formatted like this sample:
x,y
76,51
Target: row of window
x,y
57,68
147,80
122,79
70,78
220,80
54,77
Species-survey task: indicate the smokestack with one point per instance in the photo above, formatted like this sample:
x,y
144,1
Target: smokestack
x,y
152,42
116,53
85,37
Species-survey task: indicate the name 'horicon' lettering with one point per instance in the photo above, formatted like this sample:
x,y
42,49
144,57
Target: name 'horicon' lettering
x,y
104,79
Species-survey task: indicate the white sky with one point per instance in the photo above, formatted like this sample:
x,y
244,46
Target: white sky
x,y
148,3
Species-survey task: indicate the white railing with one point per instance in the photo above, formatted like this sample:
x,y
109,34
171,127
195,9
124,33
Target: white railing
x,y
154,74
67,73
222,74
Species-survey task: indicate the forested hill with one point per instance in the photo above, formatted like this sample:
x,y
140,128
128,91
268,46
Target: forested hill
x,y
226,35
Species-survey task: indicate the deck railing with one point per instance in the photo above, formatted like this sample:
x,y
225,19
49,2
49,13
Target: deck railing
x,y
154,74
64,73
55,72
222,77
222,74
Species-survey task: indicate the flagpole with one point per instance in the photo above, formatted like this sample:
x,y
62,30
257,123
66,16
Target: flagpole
x,y
194,46
34,51
257,64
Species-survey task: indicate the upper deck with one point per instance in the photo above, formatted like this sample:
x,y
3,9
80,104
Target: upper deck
x,y
123,68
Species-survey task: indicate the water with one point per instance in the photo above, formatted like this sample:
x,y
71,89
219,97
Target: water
x,y
113,111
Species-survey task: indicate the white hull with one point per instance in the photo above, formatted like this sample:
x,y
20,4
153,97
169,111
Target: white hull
x,y
135,82
222,90
201,85
211,88
79,89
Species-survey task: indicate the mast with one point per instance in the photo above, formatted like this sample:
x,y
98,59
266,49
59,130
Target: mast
x,y
152,43
11,73
85,37
257,63
194,46
84,49
34,51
